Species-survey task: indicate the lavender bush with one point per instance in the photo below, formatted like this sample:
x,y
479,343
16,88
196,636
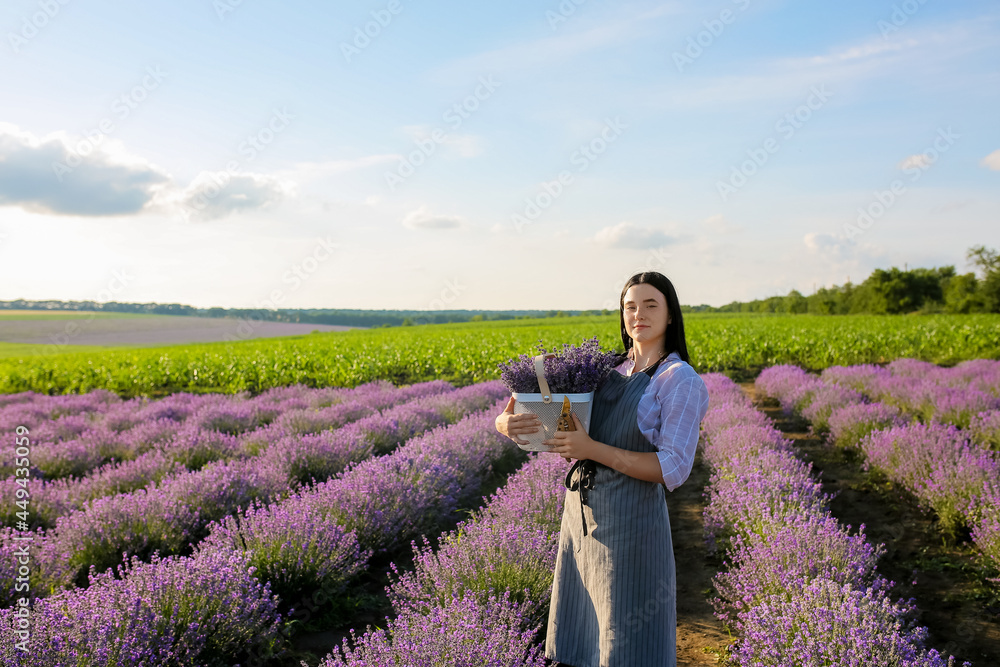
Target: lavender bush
x,y
938,465
828,623
850,423
291,548
798,589
508,545
984,429
951,471
574,370
207,612
463,633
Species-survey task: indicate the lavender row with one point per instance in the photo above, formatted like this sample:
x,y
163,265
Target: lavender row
x,y
948,471
219,606
847,392
175,514
482,597
180,435
798,589
181,612
959,395
182,447
307,433
55,418
192,430
376,505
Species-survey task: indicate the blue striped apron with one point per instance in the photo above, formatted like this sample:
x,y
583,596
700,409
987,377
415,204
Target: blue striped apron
x,y
614,596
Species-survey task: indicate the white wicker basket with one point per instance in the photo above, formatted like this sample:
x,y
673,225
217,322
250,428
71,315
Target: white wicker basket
x,y
547,407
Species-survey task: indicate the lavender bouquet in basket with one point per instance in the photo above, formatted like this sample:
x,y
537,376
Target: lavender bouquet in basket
x,y
573,376
575,370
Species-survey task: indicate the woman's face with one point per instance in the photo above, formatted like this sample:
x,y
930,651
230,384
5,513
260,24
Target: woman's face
x,y
645,311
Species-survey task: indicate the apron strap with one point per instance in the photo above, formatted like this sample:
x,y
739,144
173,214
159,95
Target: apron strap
x,y
588,475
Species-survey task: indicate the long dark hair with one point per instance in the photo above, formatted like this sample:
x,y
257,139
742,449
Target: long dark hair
x,y
673,339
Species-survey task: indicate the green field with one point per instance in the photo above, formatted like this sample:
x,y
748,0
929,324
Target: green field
x,y
738,344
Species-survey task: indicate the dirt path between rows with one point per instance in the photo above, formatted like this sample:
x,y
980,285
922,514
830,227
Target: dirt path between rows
x,y
961,612
700,636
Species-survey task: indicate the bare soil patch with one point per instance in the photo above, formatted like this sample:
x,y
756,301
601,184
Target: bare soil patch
x,y
701,637
148,330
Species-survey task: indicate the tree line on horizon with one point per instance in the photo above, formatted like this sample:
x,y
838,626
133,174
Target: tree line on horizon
x,y
892,292
885,292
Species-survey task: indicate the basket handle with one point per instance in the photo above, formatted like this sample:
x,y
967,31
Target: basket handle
x,y
540,374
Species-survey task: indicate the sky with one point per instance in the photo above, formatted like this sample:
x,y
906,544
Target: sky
x,y
392,154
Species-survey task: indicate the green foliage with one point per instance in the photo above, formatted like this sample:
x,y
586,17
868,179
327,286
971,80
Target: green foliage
x,y
893,291
464,353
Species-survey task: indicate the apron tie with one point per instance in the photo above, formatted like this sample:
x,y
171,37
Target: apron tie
x,y
588,475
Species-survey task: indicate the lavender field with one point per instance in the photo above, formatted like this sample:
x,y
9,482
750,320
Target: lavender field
x,y
216,529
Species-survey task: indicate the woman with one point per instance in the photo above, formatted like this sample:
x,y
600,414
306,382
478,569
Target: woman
x,y
614,594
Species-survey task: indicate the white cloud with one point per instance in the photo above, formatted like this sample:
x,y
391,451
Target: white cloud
x,y
422,218
214,195
873,47
630,235
84,176
920,160
841,252
992,161
718,225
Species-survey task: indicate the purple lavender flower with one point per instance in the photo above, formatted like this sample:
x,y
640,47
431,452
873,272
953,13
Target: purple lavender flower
x,y
829,623
937,464
575,370
799,590
174,611
850,423
293,549
463,632
984,429
508,545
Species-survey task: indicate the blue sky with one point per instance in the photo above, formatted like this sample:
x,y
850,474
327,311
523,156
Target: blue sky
x,y
422,155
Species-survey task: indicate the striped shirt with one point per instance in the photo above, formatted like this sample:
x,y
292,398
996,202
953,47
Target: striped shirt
x,y
670,413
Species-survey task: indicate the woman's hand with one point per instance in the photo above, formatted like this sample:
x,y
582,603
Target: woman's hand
x,y
512,425
573,444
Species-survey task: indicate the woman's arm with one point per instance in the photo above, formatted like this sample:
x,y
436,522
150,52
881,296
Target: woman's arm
x,y
670,419
578,445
